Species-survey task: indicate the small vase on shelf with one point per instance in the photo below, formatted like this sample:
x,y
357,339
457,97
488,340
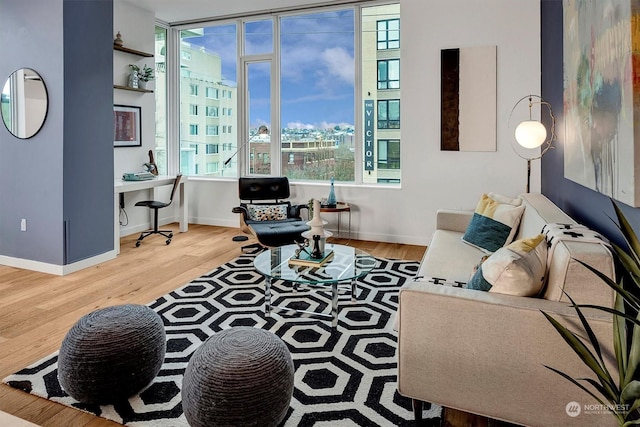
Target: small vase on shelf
x,y
133,79
331,200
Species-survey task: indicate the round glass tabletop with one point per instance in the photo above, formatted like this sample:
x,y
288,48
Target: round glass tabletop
x,y
347,263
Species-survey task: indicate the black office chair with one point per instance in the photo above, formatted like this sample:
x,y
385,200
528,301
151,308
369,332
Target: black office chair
x,y
266,214
156,205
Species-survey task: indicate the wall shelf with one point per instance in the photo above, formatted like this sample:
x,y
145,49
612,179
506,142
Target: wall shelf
x,y
133,89
132,51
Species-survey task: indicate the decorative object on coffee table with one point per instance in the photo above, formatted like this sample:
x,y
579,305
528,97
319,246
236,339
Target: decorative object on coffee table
x,y
242,376
112,353
317,229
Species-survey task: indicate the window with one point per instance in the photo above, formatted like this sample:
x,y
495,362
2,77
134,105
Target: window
x,y
317,96
212,66
195,148
389,74
211,92
193,110
389,114
212,167
160,93
314,95
389,34
388,154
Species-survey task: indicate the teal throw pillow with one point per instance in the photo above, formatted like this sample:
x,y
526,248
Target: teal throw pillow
x,y
493,225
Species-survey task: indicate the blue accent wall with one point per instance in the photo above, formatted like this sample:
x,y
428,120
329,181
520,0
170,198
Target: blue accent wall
x,y
581,203
64,174
88,128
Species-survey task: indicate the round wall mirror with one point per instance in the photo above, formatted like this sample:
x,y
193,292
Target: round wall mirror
x,y
24,103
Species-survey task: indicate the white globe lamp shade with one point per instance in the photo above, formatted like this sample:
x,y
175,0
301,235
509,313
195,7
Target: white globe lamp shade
x,y
531,134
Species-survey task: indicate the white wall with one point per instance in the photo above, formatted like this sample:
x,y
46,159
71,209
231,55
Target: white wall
x,y
137,28
431,179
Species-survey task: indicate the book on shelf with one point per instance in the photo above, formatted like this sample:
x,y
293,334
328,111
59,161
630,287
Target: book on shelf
x,y
304,259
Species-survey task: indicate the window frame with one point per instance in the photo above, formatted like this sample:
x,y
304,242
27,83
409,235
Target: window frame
x,y
174,49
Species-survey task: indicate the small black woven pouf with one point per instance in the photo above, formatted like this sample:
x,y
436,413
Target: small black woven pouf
x,y
241,376
111,354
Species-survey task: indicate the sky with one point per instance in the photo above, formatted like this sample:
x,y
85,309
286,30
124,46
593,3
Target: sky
x,y
317,70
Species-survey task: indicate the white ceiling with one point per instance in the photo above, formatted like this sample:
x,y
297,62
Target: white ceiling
x,y
173,11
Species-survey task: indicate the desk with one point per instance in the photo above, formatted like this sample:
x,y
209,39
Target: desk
x,y
121,186
340,207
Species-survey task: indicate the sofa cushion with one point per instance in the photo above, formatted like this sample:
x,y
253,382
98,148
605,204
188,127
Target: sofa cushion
x,y
494,224
517,269
267,212
448,258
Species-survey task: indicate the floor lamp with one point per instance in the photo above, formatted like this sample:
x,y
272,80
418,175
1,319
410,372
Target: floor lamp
x,y
532,141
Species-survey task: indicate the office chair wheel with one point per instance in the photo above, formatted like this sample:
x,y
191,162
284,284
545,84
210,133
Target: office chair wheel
x,y
168,241
138,244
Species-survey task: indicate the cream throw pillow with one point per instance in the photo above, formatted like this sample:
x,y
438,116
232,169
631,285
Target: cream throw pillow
x,y
517,269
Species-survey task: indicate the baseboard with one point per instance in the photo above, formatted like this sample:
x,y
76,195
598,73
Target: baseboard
x,y
58,270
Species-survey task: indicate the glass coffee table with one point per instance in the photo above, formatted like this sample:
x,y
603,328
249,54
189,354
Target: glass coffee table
x,y
347,265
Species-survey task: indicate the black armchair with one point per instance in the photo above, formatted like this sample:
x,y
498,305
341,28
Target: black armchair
x,y
266,214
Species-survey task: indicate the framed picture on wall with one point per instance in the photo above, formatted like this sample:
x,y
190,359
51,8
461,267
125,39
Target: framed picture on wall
x,y
127,130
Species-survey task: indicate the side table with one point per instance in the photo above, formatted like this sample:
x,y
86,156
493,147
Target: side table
x,y
339,209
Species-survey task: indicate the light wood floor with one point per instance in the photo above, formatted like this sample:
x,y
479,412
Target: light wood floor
x,y
37,309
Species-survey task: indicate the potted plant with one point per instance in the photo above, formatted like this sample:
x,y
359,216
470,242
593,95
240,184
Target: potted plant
x,y
145,74
619,394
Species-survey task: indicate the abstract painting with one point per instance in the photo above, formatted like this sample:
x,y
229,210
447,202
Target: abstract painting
x,y
468,99
601,96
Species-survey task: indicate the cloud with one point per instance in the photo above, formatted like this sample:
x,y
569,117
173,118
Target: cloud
x,y
299,125
339,63
321,125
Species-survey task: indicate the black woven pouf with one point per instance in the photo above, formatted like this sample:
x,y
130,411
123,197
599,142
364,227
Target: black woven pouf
x,y
241,376
111,354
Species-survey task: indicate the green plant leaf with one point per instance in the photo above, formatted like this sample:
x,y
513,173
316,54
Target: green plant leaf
x,y
586,356
634,406
627,231
593,339
634,354
632,299
630,264
620,339
574,381
612,311
631,392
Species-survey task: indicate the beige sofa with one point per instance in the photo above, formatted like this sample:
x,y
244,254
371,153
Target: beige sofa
x,y
483,352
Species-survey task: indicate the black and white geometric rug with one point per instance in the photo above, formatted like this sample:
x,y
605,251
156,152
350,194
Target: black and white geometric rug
x,y
345,377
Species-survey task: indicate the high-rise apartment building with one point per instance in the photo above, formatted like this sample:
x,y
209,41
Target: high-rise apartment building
x,y
381,93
